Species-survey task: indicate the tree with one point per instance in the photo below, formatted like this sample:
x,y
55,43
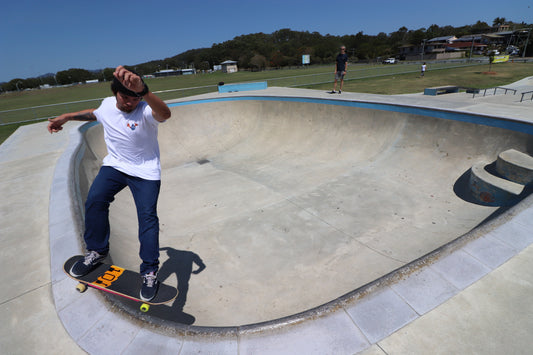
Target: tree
x,y
258,62
108,74
499,21
14,85
73,76
277,59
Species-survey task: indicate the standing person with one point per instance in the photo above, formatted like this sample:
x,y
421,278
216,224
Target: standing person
x,y
341,64
130,133
423,69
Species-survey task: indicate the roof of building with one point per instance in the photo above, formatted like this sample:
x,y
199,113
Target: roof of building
x,y
441,39
462,44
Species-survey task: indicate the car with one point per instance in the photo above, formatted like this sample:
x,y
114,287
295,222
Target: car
x,y
390,61
512,50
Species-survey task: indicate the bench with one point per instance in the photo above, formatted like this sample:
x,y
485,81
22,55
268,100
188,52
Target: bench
x,y
438,90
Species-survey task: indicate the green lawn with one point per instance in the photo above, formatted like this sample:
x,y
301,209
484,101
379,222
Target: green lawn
x,y
377,78
473,77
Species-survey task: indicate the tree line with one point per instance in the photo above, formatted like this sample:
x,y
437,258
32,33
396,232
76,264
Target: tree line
x,y
282,48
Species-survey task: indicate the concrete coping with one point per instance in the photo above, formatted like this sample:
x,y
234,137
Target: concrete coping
x,y
515,166
242,87
351,322
500,189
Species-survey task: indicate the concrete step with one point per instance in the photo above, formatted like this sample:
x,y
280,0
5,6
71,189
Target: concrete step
x,y
515,166
490,189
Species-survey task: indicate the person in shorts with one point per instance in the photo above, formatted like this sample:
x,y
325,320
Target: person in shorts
x,y
423,69
341,65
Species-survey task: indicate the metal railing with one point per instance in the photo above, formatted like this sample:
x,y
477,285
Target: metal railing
x,y
495,90
527,93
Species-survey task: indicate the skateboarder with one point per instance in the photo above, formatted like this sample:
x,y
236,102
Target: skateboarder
x,y
130,133
341,64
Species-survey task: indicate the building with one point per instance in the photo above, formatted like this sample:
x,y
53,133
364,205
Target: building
x,y
173,72
438,44
229,66
475,43
448,47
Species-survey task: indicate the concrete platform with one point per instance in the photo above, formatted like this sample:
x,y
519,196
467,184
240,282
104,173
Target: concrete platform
x,y
323,231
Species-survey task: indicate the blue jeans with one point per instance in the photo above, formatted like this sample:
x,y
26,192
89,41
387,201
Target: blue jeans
x,y
105,186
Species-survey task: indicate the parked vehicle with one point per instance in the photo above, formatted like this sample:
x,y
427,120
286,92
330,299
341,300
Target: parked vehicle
x,y
512,50
390,61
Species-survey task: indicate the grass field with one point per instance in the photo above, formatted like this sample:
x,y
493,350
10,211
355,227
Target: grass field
x,y
378,79
473,77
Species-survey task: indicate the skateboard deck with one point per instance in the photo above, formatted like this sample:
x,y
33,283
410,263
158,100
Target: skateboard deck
x,y
119,281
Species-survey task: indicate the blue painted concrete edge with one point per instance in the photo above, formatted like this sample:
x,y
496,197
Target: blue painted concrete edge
x,y
510,124
242,87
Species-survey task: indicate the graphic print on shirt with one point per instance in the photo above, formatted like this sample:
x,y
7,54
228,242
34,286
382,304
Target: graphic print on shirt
x,y
132,126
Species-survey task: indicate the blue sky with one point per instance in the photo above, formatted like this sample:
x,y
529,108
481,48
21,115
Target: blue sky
x,y
39,37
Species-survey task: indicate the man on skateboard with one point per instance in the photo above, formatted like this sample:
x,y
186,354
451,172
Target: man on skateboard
x,y
133,160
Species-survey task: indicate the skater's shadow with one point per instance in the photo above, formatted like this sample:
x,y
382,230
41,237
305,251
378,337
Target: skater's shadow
x,y
180,263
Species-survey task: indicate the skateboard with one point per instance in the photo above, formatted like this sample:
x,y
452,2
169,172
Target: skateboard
x,y
119,281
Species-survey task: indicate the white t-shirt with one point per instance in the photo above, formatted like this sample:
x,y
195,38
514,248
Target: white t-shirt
x,y
131,139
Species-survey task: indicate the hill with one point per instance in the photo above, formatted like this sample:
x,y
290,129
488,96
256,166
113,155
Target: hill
x,y
282,48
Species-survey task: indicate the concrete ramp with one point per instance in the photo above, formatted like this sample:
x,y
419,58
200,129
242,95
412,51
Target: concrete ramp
x,y
292,203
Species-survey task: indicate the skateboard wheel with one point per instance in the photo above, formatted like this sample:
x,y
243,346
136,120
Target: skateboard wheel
x,y
81,287
145,307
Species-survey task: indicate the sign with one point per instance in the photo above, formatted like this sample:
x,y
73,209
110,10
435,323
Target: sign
x,y
306,59
500,59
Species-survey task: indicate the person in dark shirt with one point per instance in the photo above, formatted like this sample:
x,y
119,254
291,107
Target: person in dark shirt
x,y
341,64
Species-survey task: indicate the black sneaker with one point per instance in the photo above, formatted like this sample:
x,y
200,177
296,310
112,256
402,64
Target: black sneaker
x,y
149,287
332,92
339,91
87,264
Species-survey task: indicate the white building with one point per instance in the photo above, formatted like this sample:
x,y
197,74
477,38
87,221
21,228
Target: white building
x,y
229,66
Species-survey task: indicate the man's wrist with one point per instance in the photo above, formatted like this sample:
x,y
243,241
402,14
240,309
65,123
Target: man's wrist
x,y
143,92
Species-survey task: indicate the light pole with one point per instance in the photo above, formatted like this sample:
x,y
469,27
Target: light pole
x,y
527,40
423,48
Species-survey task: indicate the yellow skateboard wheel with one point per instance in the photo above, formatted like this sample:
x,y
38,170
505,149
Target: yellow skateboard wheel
x,y
81,287
145,307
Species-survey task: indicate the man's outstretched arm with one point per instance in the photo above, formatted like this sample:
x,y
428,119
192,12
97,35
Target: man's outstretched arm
x,y
56,124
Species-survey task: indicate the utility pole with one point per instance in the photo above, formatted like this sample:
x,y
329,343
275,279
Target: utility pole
x,y
471,48
527,40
